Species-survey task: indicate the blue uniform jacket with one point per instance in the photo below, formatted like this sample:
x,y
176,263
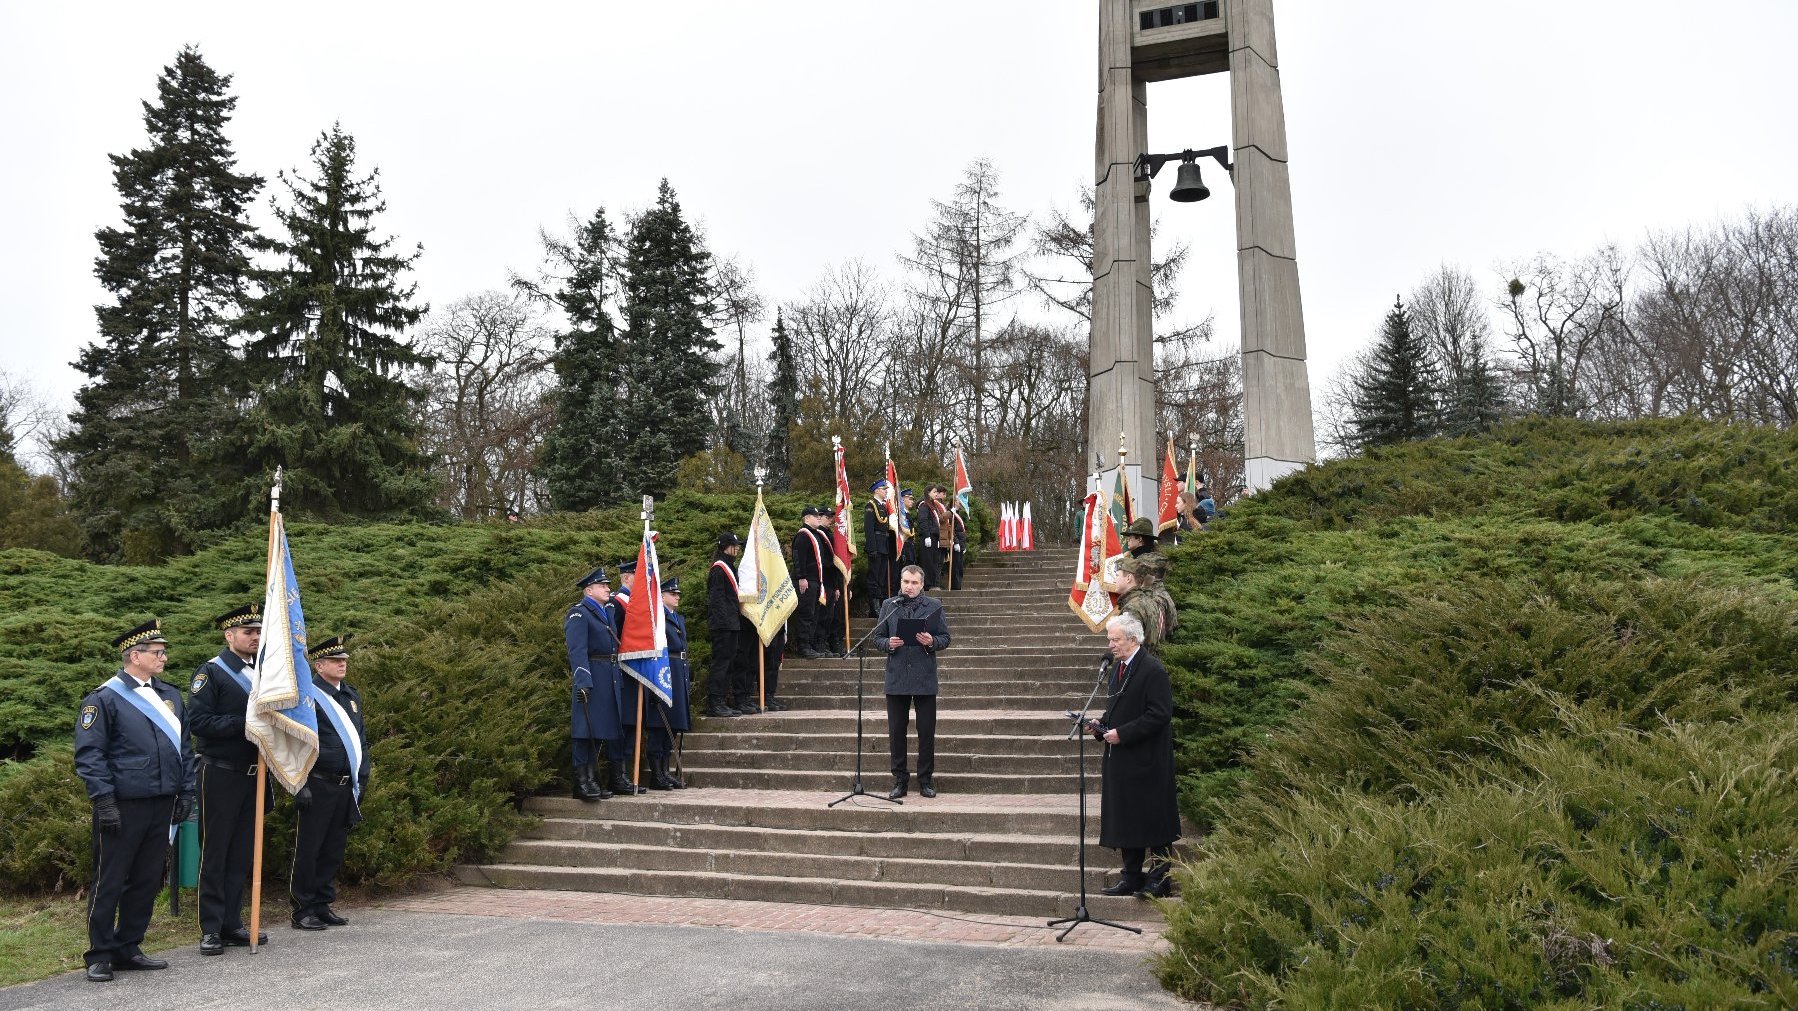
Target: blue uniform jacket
x,y
333,756
680,716
587,630
215,711
120,753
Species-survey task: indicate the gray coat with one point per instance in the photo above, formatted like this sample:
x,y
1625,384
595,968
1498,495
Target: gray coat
x,y
911,669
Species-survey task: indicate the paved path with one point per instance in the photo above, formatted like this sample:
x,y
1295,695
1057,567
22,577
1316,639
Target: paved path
x,y
487,950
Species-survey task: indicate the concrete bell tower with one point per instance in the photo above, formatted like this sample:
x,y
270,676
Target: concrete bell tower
x,y
1141,42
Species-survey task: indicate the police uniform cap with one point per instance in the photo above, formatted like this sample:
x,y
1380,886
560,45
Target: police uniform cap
x,y
149,631
337,645
876,486
247,616
628,568
906,493
671,585
598,575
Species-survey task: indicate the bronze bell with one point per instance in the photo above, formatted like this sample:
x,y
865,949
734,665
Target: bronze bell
x,y
1188,187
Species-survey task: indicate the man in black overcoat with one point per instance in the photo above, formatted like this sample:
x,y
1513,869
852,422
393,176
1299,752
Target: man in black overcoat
x,y
911,681
877,541
1139,814
216,704
808,579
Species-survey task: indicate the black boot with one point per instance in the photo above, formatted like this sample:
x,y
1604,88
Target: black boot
x,y
716,707
585,788
658,773
621,783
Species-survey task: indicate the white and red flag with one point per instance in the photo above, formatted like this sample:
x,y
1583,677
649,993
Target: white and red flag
x,y
1088,597
842,546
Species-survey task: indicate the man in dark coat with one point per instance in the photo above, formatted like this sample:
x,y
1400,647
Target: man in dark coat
x,y
911,681
134,754
808,579
592,644
935,531
830,602
958,556
227,773
1139,814
725,625
680,714
908,553
330,803
1139,537
877,541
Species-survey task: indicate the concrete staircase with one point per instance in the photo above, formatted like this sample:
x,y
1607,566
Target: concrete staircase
x,y
1001,838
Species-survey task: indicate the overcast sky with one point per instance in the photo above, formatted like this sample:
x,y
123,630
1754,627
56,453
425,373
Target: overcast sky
x,y
804,133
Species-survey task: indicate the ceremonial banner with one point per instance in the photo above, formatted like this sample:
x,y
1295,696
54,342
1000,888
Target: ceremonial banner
x,y
895,513
1028,541
1122,507
280,716
1192,474
1088,597
1169,505
842,546
964,487
643,649
1005,526
764,589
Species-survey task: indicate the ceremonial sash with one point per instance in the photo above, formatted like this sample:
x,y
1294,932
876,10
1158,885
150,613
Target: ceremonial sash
x,y
242,682
728,574
817,552
346,732
160,716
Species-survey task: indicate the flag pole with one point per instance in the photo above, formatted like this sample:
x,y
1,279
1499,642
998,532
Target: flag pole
x,y
761,648
649,503
274,509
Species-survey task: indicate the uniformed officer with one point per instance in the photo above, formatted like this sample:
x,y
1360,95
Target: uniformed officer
x,y
877,538
731,688
133,752
330,804
958,555
908,555
808,579
619,749
1139,537
935,530
227,773
679,714
830,602
592,644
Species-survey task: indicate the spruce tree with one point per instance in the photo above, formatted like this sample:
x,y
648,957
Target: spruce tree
x,y
163,378
669,369
329,352
783,398
1395,399
1476,401
582,456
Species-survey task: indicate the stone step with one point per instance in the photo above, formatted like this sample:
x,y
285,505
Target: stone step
x,y
807,683
874,737
964,722
1039,815
874,774
936,846
878,894
874,752
800,862
950,697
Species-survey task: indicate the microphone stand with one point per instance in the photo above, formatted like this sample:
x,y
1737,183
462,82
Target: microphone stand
x,y
861,672
1080,731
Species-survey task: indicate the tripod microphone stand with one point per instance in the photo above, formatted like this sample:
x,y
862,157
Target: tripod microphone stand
x,y
861,673
1080,730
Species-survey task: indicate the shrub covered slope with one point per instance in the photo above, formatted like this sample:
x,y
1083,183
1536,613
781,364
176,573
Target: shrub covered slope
x,y
1503,722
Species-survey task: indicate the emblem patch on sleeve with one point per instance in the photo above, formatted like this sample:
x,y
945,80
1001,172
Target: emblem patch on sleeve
x,y
88,715
199,683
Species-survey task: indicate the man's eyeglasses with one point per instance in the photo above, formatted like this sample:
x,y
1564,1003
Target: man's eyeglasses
x,y
160,654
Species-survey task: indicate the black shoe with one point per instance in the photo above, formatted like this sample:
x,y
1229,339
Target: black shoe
x,y
331,918
720,710
897,791
308,922
138,961
811,654
99,972
1158,889
240,938
658,773
776,706
748,709
926,790
1125,886
622,785
212,944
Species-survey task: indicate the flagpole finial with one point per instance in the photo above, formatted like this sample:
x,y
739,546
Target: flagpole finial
x,y
648,514
274,500
1123,447
889,447
1192,442
761,475
836,442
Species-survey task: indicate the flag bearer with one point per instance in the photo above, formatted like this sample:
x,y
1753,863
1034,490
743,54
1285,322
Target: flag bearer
x,y
216,703
330,804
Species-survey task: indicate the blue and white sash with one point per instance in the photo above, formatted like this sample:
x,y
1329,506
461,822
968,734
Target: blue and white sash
x,y
237,676
346,732
158,715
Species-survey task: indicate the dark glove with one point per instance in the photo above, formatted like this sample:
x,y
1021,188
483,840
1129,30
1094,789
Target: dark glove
x,y
303,799
581,693
184,809
106,815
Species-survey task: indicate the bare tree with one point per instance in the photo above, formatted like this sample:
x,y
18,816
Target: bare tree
x,y
1452,316
486,408
29,426
740,306
1558,313
840,328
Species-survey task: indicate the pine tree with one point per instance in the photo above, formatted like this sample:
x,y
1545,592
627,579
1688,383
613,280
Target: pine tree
x,y
162,378
1477,401
1395,399
783,397
582,457
329,352
669,368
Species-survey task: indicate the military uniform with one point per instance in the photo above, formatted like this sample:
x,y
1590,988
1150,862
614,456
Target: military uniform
x,y
680,712
830,604
730,689
808,567
933,520
134,754
330,804
591,641
908,555
618,749
958,555
877,540
216,703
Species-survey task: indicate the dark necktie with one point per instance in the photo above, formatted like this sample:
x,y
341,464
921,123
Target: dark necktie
x,y
1123,665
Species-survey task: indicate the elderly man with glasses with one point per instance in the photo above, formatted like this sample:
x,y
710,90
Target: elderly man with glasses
x,y
134,753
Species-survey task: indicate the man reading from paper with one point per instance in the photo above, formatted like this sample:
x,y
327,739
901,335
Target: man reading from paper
x,y
914,631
